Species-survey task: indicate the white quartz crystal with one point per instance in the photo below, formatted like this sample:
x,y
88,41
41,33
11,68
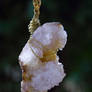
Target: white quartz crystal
x,y
51,35
45,74
48,76
27,57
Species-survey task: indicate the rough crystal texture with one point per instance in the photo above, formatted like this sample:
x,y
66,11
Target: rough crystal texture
x,y
48,76
41,69
49,36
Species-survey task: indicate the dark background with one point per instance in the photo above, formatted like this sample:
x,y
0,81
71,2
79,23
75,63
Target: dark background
x,y
75,15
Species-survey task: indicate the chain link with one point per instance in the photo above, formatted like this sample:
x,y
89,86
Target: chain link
x,y
34,23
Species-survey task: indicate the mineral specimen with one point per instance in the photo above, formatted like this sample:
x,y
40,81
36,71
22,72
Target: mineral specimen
x,y
39,62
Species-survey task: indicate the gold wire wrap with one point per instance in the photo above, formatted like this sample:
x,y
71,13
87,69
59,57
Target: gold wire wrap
x,y
34,23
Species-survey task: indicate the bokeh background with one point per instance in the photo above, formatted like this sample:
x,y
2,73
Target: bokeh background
x,y
75,15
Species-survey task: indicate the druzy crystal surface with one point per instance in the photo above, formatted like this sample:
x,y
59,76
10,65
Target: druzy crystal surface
x,y
41,69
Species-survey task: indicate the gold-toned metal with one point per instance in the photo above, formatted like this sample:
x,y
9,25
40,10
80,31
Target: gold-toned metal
x,y
34,23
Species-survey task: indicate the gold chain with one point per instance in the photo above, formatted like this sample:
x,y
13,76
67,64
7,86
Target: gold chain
x,y
34,23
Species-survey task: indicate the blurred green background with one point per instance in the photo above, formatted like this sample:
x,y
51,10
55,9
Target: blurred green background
x,y
75,15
